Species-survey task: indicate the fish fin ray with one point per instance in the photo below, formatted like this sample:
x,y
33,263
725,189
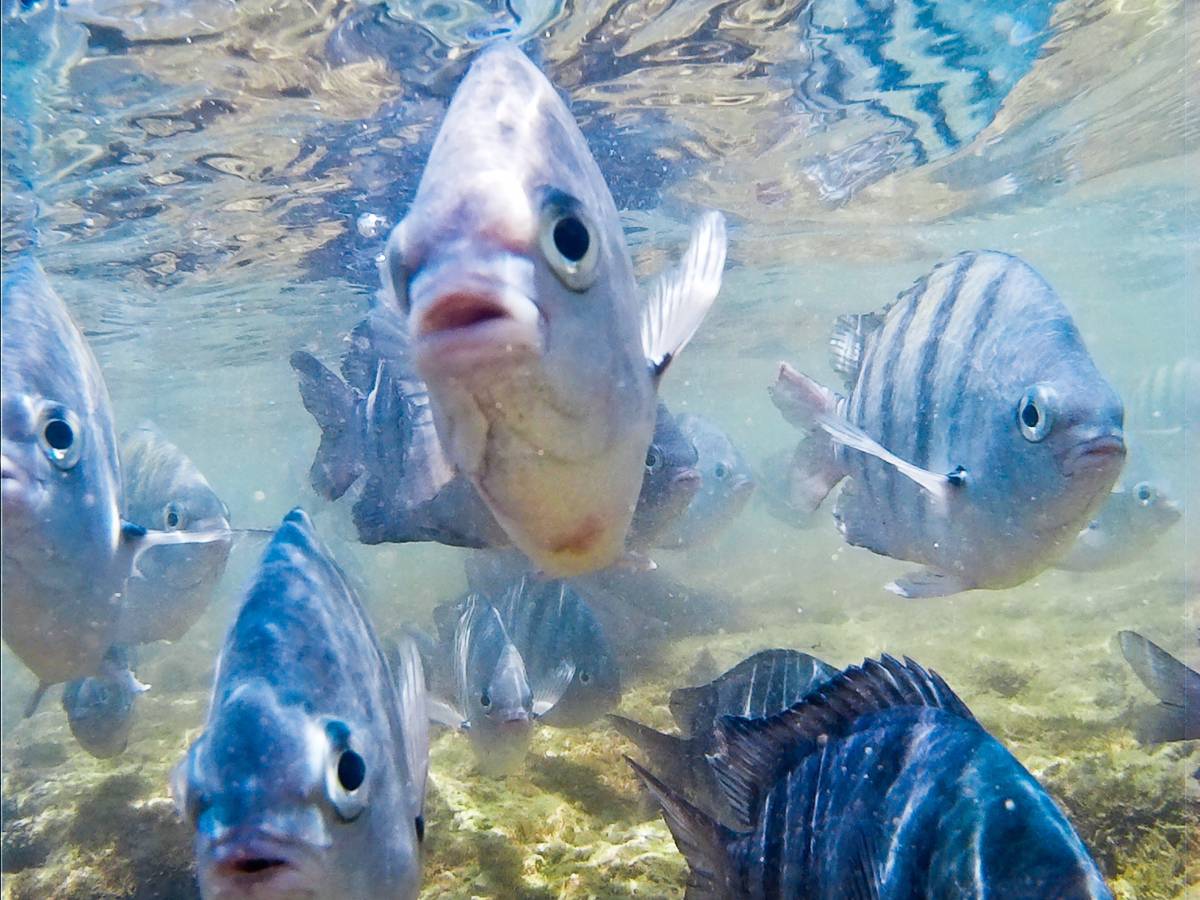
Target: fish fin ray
x,y
1162,674
666,752
682,296
442,713
814,472
414,713
35,700
547,692
847,343
864,877
701,839
332,403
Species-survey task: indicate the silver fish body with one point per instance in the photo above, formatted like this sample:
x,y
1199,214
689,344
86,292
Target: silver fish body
x,y
524,318
978,435
174,584
489,682
65,559
726,484
309,777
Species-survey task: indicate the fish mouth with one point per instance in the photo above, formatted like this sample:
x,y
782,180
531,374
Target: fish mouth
x,y
469,321
742,487
514,720
258,865
1094,455
686,478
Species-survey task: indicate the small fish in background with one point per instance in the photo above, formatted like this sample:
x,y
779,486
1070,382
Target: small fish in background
x,y
309,776
376,424
174,584
511,288
669,484
763,684
784,493
855,789
978,435
1166,401
67,551
552,626
100,708
1133,519
725,486
487,693
1177,715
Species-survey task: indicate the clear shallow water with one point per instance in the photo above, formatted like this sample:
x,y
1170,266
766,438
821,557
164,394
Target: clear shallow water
x,y
199,178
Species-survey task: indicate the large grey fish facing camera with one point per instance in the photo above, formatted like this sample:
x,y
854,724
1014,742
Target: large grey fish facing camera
x,y
978,435
67,552
541,356
175,584
309,777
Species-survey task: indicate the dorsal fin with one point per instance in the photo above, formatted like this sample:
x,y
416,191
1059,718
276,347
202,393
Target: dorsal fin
x,y
752,754
847,343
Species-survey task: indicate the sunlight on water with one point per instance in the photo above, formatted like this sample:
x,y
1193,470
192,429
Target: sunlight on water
x,y
210,185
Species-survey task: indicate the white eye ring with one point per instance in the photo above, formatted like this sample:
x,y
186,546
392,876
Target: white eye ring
x,y
1035,413
1143,491
60,436
570,244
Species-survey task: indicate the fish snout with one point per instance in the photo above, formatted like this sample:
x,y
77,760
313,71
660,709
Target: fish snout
x,y
1094,453
742,487
248,862
687,479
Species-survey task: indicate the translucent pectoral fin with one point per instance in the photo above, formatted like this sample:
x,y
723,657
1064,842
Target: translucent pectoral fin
x,y
547,693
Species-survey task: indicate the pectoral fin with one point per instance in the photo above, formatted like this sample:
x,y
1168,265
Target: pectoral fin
x,y
547,693
681,296
136,540
442,713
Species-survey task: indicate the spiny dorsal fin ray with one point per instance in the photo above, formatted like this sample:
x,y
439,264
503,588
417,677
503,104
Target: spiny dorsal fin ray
x,y
752,754
847,344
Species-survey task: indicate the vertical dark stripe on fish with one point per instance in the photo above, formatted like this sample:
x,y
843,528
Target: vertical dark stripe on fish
x,y
983,322
924,401
889,353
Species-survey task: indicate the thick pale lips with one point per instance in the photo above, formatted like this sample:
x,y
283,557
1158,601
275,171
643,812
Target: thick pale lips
x,y
1094,453
462,330
459,311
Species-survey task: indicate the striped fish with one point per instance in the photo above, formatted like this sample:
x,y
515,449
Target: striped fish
x,y
978,434
761,685
1167,399
552,627
879,784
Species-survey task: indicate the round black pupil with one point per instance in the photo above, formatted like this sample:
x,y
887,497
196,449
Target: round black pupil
x,y
651,460
59,434
571,238
584,677
1144,493
352,771
172,519
1030,416
720,470
485,700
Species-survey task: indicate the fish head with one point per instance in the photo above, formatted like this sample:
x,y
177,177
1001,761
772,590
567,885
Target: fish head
x,y
512,274
285,802
100,712
728,482
501,715
670,479
59,477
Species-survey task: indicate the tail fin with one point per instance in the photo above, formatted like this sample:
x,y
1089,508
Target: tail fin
x,y
666,753
703,841
1177,687
332,403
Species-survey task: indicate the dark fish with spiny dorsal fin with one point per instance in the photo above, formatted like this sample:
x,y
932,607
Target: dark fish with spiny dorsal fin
x,y
760,685
978,434
879,784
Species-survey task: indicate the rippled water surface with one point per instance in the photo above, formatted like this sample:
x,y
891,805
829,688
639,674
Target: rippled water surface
x,y
208,185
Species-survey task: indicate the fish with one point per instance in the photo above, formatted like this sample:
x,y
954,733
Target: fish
x,y
763,684
726,484
1164,400
879,784
509,285
785,491
1134,517
1177,686
67,550
309,776
100,708
174,584
552,626
494,702
978,435
376,425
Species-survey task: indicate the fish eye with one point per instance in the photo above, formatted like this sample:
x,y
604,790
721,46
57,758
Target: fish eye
x,y
721,471
1034,413
173,517
584,677
345,773
419,822
653,460
1144,493
60,437
485,700
568,243
351,770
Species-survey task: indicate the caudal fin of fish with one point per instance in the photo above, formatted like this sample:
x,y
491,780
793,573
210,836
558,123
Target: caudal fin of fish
x,y
1177,686
681,297
701,839
331,402
666,754
752,753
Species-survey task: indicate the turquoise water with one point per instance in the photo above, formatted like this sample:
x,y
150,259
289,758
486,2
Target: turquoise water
x,y
201,174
